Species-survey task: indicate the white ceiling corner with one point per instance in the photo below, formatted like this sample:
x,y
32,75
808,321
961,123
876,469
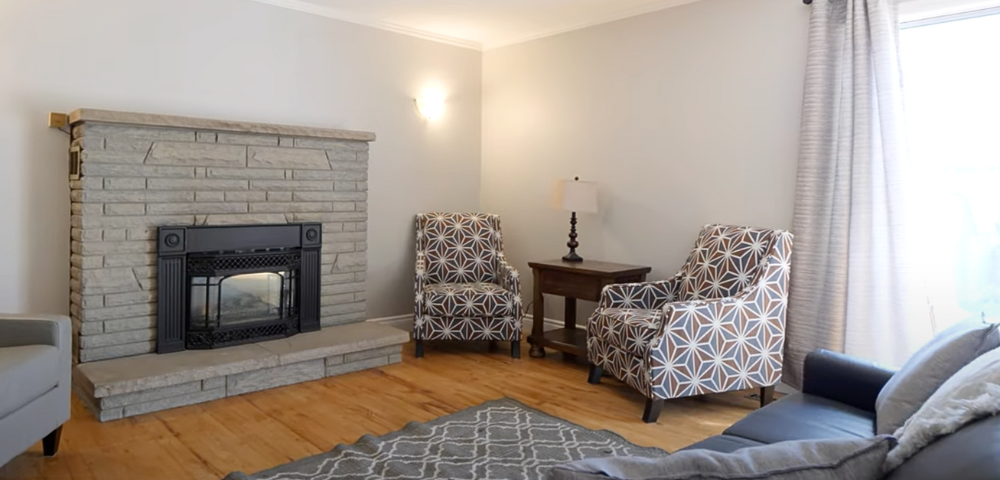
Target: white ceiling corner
x,y
481,24
642,8
360,19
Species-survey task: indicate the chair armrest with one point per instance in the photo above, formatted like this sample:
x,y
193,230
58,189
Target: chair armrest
x,y
420,269
419,281
644,296
509,279
846,379
24,329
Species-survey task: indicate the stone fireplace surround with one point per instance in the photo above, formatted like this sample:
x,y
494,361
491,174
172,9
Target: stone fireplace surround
x,y
139,172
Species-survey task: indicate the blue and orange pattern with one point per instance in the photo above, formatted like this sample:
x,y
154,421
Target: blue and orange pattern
x,y
716,326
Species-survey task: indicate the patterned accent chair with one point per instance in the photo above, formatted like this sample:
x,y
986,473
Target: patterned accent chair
x,y
716,326
465,289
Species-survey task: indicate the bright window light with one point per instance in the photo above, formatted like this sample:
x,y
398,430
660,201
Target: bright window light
x,y
951,76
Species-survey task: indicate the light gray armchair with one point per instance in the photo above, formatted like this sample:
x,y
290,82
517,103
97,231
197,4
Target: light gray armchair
x,y
35,369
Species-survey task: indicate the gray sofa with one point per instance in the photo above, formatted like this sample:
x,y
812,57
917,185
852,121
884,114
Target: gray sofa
x,y
35,371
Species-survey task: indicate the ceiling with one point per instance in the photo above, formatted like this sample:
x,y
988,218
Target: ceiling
x,y
478,24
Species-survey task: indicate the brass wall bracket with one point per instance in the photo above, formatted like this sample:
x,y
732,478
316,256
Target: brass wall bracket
x,y
59,120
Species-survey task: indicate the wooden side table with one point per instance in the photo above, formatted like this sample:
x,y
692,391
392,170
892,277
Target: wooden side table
x,y
572,280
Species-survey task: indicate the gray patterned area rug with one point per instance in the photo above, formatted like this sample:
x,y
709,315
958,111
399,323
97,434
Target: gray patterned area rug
x,y
500,439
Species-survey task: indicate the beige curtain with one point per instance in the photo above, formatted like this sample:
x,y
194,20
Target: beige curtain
x,y
848,268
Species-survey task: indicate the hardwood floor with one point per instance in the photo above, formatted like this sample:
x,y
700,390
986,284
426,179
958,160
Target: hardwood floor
x,y
257,431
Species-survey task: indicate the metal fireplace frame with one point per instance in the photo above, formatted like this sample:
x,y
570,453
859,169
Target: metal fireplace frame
x,y
175,244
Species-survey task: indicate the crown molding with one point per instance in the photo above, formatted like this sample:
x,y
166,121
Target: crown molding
x,y
649,8
337,14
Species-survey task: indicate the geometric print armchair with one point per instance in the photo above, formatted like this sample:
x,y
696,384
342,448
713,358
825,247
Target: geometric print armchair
x,y
464,288
716,326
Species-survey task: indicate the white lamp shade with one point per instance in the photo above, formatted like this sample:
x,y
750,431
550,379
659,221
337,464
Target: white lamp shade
x,y
575,196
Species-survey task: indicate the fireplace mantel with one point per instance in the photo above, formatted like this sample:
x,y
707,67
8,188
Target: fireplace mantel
x,y
193,123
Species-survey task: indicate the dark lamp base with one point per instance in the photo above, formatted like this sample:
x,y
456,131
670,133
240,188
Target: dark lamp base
x,y
572,257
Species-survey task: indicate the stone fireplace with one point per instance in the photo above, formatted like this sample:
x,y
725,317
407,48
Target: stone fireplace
x,y
195,234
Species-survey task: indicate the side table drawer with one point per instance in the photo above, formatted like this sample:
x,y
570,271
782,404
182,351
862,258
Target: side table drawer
x,y
570,285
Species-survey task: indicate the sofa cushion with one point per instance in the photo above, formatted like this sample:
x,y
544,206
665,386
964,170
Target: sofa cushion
x,y
930,367
857,459
723,444
629,329
26,372
953,457
501,328
801,417
468,300
969,395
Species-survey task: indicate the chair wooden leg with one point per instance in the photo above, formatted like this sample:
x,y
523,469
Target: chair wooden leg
x,y
50,444
515,349
766,395
492,347
652,411
595,375
420,348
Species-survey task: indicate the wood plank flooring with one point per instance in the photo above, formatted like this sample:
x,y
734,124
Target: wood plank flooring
x,y
257,431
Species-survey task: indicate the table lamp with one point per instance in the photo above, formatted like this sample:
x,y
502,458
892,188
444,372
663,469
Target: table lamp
x,y
577,197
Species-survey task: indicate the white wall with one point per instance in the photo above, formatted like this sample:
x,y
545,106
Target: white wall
x,y
685,116
228,59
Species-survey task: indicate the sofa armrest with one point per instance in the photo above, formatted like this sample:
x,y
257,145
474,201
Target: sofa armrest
x,y
23,329
846,379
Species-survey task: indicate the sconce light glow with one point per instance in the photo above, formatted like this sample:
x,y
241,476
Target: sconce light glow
x,y
431,104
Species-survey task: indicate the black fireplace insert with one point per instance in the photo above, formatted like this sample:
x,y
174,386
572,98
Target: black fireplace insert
x,y
229,285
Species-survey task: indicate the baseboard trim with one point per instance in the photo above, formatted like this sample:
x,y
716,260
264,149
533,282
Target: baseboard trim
x,y
785,389
402,322
405,322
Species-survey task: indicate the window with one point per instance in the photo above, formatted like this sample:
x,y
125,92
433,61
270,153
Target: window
x,y
951,76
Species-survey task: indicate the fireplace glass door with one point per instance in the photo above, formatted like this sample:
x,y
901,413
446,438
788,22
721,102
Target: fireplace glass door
x,y
218,302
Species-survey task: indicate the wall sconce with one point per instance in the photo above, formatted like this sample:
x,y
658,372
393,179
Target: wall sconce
x,y
430,105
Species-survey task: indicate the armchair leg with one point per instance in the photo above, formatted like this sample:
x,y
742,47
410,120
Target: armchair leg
x,y
596,372
652,411
420,349
492,346
766,395
50,444
515,349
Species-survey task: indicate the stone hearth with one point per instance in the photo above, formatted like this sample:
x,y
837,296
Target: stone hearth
x,y
125,387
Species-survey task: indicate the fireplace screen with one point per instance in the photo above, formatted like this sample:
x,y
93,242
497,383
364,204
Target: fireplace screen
x,y
242,297
228,285
221,301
